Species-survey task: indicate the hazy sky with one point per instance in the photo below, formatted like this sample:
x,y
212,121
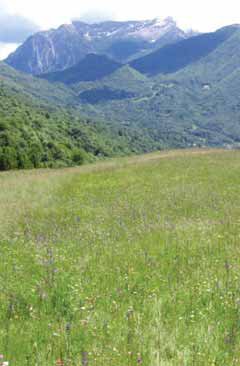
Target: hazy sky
x,y
6,48
203,15
21,17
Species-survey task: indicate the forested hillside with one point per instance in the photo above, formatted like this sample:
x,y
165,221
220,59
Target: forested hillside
x,y
37,129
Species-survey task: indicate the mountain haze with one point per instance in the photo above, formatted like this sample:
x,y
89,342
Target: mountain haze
x,y
195,103
174,57
64,47
182,94
91,68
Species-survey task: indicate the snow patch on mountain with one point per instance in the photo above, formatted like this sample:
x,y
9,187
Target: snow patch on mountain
x,y
58,49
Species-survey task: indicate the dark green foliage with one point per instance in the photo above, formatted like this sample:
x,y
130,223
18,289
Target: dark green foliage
x,y
78,156
94,96
35,136
8,158
32,138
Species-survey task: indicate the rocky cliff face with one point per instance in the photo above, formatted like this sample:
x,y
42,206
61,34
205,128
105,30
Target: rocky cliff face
x,y
64,47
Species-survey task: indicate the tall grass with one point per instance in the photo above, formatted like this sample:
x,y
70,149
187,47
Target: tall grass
x,y
131,262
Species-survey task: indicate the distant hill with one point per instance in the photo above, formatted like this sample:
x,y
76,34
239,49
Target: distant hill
x,y
174,57
124,83
62,48
91,68
124,78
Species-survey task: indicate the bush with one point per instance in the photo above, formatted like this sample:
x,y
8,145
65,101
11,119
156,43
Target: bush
x,y
78,156
8,158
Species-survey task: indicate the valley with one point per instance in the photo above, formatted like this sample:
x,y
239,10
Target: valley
x,y
119,193
184,93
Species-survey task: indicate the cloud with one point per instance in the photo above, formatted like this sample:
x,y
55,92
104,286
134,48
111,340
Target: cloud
x,y
6,49
96,16
15,28
201,15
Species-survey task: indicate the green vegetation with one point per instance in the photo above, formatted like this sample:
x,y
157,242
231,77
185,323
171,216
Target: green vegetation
x,y
123,112
126,262
94,96
33,138
41,126
38,91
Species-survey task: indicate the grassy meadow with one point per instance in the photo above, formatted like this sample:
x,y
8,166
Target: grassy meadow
x,y
133,261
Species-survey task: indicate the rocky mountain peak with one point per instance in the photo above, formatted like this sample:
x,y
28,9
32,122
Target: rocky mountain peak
x,y
61,48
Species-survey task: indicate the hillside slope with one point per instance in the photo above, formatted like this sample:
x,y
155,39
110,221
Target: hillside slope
x,y
41,126
172,58
32,137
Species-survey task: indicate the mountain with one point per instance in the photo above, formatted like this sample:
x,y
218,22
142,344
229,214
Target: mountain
x,y
62,48
91,68
173,57
195,103
187,97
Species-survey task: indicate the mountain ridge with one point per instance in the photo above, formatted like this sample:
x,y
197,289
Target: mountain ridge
x,y
91,68
196,105
61,48
174,57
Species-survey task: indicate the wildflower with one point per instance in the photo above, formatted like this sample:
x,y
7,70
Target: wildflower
x,y
139,359
3,363
84,322
68,327
85,358
60,362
